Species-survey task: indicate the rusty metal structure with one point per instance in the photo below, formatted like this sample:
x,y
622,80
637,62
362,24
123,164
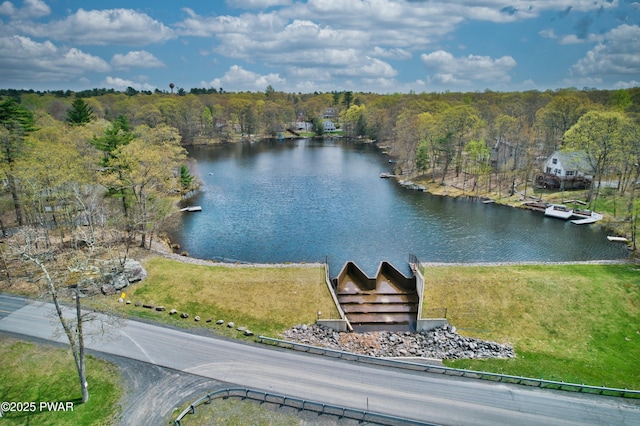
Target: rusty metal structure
x,y
387,301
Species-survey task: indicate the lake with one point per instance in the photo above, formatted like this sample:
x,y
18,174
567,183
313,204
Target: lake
x,y
310,200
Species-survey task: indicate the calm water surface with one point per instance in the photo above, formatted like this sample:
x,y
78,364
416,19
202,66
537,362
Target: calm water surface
x,y
304,201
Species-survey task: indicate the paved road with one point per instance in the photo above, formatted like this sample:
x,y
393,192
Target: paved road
x,y
409,394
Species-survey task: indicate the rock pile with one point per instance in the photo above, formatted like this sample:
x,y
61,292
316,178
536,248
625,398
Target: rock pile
x,y
118,278
440,343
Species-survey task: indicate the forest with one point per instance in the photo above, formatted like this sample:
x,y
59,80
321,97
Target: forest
x,y
120,157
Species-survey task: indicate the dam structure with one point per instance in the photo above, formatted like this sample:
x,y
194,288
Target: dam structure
x,y
388,301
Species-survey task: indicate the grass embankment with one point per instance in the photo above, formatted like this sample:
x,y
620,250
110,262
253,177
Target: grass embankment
x,y
266,300
239,412
576,323
38,373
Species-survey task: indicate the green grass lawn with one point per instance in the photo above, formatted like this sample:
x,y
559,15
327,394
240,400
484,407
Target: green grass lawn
x,y
266,300
38,373
233,411
577,323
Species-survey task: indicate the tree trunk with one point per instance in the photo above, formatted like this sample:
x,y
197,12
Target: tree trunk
x,y
79,355
76,339
16,199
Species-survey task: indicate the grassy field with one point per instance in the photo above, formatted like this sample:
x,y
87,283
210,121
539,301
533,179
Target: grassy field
x,y
265,300
577,323
38,373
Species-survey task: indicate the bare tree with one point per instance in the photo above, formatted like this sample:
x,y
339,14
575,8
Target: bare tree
x,y
67,267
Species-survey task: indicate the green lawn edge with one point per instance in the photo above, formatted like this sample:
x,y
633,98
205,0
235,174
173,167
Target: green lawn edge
x,y
576,323
35,373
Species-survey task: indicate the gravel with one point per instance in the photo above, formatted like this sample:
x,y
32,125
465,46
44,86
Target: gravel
x,y
440,343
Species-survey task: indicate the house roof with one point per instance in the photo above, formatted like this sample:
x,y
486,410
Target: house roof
x,y
574,160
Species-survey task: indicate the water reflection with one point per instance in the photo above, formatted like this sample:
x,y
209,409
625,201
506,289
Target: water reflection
x,y
304,201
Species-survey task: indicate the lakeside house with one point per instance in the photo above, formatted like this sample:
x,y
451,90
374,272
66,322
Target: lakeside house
x,y
567,170
304,126
328,126
330,113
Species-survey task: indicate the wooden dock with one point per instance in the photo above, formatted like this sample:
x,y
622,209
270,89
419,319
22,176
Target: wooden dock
x,y
191,209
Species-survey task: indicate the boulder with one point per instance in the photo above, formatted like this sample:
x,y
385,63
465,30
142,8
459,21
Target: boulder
x,y
230,325
119,281
220,322
160,308
197,318
184,315
173,312
107,289
134,271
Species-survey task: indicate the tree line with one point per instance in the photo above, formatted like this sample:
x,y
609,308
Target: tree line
x,y
86,175
498,137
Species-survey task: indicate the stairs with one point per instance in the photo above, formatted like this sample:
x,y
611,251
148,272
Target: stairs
x,y
388,301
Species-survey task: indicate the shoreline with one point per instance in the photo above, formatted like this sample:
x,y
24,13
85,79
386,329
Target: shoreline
x,y
532,263
204,262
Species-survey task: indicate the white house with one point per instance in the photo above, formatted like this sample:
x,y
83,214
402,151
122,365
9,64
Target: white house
x,y
329,126
569,170
330,113
304,126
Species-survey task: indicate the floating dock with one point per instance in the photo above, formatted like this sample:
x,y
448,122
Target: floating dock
x,y
191,209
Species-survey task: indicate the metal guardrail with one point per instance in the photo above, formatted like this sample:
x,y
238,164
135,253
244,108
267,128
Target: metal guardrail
x,y
300,404
518,380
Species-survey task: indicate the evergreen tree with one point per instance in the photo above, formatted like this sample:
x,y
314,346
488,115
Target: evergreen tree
x,y
118,134
16,122
80,113
186,178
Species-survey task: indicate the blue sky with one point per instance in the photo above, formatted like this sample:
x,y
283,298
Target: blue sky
x,y
381,46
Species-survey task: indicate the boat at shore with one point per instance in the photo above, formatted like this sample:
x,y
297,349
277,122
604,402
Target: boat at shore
x,y
618,239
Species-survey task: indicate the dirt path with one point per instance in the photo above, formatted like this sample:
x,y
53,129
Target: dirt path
x,y
153,394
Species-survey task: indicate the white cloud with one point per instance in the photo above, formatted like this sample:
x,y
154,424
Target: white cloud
x,y
122,84
626,84
464,70
102,27
24,59
393,53
375,67
257,4
239,79
616,54
548,33
31,9
136,59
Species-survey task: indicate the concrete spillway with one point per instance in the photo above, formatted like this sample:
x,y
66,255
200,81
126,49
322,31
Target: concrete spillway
x,y
388,301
